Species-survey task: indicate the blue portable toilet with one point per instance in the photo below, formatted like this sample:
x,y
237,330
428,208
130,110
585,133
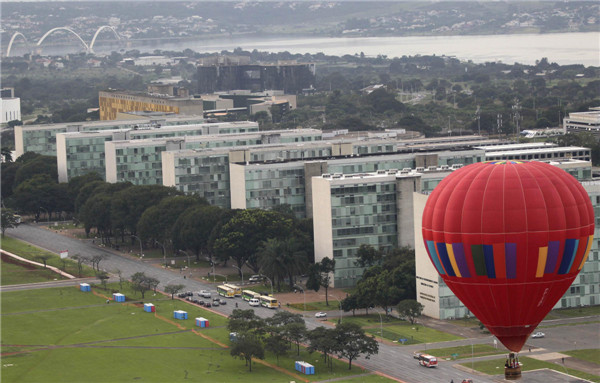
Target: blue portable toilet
x,y
85,287
149,308
118,297
201,322
180,314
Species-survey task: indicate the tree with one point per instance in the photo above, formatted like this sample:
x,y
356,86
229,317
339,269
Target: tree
x,y
247,346
8,220
173,289
367,256
194,227
410,309
141,283
103,277
350,303
319,276
353,342
244,321
295,332
96,259
80,261
277,345
6,154
43,257
323,340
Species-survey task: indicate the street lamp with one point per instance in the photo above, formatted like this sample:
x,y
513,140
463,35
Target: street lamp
x,y
164,252
188,256
339,303
241,271
303,296
380,324
47,215
270,281
141,251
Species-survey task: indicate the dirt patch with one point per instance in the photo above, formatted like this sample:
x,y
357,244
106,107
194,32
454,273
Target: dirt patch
x,y
11,260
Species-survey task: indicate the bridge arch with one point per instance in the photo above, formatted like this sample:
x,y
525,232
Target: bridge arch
x,y
63,29
98,32
12,40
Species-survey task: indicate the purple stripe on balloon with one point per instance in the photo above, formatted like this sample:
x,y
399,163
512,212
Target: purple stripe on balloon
x,y
510,256
553,247
461,261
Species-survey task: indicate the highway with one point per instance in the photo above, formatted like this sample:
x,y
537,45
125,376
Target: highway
x,y
391,360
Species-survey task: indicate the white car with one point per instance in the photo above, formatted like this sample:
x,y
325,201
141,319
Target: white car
x,y
254,302
321,314
204,294
538,334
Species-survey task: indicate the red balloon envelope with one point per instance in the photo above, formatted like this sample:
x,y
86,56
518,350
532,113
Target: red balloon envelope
x,y
509,238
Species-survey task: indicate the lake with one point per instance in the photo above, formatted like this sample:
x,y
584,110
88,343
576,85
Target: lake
x,y
562,48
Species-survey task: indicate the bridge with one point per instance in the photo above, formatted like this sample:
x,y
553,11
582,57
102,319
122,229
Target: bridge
x,y
88,48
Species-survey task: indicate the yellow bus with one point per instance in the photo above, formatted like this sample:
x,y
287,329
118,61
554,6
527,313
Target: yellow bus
x,y
249,294
225,291
268,302
237,290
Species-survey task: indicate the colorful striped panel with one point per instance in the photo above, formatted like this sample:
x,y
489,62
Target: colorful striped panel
x,y
433,255
461,260
542,256
499,262
488,254
452,260
441,247
553,247
583,244
510,253
568,255
587,251
478,260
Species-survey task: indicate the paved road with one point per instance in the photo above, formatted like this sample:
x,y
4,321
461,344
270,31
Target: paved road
x,y
391,360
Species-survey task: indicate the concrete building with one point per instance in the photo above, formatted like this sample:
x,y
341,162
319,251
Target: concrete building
x,y
291,77
583,122
112,102
41,139
83,152
10,106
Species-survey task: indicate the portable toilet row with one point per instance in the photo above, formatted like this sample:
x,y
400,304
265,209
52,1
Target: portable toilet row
x,y
149,308
201,322
305,368
180,314
118,297
85,287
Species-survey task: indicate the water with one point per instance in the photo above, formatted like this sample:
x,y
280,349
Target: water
x,y
562,48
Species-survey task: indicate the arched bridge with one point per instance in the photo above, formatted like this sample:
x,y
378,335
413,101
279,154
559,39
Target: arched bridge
x,y
88,48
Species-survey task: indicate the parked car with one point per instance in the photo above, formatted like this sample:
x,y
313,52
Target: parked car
x,y
467,381
538,334
255,278
201,303
254,302
321,314
216,302
207,304
204,293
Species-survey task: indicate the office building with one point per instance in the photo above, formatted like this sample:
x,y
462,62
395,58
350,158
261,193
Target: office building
x,y
41,139
112,102
10,106
583,122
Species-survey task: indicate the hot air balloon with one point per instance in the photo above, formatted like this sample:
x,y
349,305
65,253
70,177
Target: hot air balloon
x,y
509,238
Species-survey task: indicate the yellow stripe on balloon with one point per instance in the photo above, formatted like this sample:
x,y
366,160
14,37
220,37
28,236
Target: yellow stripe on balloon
x,y
587,251
452,259
542,255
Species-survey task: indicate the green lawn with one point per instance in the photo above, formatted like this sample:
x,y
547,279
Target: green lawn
x,y
464,351
14,274
97,342
496,366
410,332
371,320
30,252
317,306
591,355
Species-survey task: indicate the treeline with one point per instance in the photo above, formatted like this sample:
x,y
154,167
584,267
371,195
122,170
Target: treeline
x,y
252,335
273,242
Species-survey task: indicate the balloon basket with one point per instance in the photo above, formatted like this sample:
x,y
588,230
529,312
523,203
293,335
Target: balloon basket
x,y
512,368
512,373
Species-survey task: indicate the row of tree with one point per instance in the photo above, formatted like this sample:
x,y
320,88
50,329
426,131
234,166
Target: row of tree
x,y
253,335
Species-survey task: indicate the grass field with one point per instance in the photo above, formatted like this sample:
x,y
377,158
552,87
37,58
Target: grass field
x,y
371,320
30,252
496,366
17,273
65,335
411,334
317,306
592,355
464,351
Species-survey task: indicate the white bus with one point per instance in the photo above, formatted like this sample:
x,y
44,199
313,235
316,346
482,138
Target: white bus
x,y
225,291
